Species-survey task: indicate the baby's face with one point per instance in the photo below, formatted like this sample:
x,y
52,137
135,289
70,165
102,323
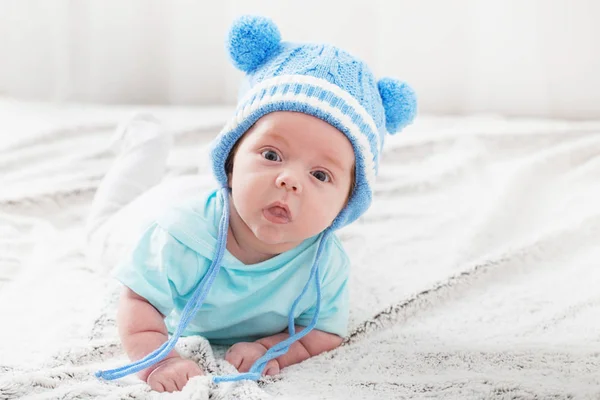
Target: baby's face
x,y
291,177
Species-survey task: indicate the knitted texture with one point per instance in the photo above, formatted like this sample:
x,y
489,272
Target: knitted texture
x,y
320,80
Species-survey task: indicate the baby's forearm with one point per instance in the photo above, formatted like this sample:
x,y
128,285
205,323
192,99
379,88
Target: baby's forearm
x,y
316,342
141,328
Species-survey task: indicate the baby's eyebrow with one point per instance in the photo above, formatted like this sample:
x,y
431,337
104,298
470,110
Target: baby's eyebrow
x,y
277,137
325,155
333,160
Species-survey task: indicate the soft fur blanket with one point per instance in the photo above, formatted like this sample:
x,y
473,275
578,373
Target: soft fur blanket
x,y
475,273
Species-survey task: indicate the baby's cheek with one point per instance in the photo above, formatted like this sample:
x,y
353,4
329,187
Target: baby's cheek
x,y
334,203
319,217
244,190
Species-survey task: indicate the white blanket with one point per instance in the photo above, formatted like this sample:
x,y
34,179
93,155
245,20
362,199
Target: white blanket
x,y
474,272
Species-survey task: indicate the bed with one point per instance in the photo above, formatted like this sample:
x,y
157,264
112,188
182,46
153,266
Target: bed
x,y
474,274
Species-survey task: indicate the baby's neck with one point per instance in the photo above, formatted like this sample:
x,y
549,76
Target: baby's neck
x,y
246,254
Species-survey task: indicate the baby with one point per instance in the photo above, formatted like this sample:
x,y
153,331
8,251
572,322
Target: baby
x,y
256,263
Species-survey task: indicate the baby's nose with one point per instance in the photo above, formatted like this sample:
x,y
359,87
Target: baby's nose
x,y
289,182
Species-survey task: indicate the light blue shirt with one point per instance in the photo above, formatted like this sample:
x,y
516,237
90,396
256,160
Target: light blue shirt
x,y
245,302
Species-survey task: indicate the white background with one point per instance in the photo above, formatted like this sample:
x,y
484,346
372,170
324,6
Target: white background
x,y
514,57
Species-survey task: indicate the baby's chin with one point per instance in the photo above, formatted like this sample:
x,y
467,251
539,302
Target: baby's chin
x,y
277,237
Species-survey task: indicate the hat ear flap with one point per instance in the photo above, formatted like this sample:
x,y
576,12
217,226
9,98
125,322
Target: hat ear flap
x,y
252,41
399,102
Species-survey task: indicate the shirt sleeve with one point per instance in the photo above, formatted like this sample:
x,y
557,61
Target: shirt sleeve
x,y
333,316
161,269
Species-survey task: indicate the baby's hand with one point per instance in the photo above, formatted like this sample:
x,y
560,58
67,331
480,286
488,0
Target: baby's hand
x,y
242,355
172,374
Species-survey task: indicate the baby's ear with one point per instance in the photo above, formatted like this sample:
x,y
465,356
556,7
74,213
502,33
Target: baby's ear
x,y
399,102
229,169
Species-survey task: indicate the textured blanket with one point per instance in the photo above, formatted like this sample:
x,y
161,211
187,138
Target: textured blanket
x,y
475,273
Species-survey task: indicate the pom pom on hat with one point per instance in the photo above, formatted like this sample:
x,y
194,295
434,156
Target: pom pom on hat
x,y
399,103
252,40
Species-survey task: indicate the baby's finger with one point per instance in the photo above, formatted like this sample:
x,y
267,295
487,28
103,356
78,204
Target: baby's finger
x,y
180,380
169,384
156,385
272,368
197,371
234,358
155,381
246,364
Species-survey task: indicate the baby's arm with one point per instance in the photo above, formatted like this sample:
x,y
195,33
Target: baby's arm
x,y
316,342
242,355
141,327
142,330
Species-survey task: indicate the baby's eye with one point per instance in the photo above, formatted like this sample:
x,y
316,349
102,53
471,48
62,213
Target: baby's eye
x,y
271,155
321,175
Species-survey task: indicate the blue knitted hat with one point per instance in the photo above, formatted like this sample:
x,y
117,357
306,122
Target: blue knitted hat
x,y
320,80
315,79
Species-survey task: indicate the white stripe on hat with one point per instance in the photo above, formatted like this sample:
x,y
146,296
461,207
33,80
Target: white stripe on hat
x,y
323,84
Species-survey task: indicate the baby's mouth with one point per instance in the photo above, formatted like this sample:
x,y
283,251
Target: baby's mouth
x,y
277,214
